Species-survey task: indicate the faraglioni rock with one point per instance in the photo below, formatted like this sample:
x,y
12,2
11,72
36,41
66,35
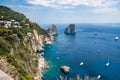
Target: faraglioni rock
x,y
71,29
52,30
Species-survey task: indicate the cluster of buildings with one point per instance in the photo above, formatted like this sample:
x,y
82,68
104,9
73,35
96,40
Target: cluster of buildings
x,y
11,23
7,24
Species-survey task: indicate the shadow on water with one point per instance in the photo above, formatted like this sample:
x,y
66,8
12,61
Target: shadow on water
x,y
71,35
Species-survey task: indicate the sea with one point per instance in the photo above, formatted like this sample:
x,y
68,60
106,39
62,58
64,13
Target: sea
x,y
93,44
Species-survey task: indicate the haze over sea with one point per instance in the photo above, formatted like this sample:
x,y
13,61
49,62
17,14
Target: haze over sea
x,y
85,46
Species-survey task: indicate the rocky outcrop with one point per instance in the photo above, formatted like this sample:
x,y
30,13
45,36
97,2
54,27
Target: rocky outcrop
x,y
65,69
4,76
52,30
42,65
5,67
37,41
71,29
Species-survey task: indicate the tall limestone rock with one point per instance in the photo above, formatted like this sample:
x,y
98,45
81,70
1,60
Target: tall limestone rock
x,y
52,30
71,29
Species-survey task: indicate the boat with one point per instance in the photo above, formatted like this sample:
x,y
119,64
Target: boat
x,y
81,64
98,77
57,57
107,64
116,38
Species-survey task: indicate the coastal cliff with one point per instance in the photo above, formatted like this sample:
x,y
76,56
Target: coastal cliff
x,y
20,39
71,29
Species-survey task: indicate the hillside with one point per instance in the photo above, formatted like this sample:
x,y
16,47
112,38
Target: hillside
x,y
20,39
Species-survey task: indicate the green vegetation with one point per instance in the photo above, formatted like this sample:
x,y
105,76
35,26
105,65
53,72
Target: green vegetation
x,y
4,47
21,57
39,30
23,74
5,32
8,14
21,32
17,53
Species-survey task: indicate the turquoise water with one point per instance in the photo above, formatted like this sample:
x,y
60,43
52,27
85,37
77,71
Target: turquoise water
x,y
84,46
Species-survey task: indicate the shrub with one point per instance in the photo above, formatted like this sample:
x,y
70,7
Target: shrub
x,y
5,31
4,47
11,39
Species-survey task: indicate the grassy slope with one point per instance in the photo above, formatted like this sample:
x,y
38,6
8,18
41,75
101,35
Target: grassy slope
x,y
20,60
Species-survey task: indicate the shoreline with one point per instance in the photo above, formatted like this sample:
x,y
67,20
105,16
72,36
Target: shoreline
x,y
43,64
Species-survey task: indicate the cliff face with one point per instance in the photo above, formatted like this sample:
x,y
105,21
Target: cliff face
x,y
52,30
38,41
71,29
18,46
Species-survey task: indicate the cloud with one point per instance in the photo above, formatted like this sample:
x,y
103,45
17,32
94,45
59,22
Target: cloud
x,y
94,6
73,3
105,10
45,3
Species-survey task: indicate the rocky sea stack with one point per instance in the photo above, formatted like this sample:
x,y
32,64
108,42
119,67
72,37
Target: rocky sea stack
x,y
52,30
71,29
65,69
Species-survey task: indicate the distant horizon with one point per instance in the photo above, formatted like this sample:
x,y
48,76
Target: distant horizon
x,y
67,11
41,25
79,23
106,25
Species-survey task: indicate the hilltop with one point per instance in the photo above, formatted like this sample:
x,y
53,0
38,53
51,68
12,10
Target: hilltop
x,y
20,40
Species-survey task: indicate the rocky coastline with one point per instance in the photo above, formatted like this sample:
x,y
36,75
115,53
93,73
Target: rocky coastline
x,y
41,41
37,43
19,46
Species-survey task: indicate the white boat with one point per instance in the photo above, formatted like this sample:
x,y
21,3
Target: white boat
x,y
57,57
98,77
116,38
107,64
81,64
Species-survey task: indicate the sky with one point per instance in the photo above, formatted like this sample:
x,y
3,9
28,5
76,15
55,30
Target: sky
x,y
67,11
